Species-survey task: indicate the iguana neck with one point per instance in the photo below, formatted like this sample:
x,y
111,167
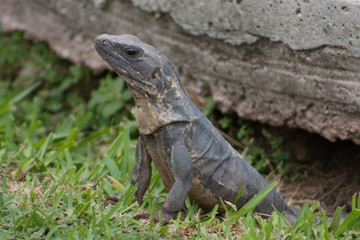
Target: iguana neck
x,y
173,105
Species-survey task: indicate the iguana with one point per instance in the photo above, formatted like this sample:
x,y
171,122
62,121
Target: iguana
x,y
192,158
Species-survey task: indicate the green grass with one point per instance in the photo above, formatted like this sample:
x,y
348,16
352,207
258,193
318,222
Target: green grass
x,y
62,155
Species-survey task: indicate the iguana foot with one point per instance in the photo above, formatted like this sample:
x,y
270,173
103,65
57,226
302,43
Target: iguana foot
x,y
166,216
111,200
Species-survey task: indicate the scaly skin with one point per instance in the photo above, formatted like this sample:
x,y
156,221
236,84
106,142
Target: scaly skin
x,y
192,158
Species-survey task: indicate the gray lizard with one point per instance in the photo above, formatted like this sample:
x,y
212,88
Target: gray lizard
x,y
192,158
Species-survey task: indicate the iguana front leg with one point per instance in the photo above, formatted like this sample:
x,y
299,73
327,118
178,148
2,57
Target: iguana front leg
x,y
141,172
181,167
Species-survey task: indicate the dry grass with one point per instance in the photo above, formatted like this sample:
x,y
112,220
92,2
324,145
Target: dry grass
x,y
332,188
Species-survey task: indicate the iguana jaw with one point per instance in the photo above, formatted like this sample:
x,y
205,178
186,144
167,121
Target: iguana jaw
x,y
112,51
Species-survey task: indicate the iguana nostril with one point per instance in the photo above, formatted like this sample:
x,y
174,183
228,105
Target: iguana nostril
x,y
104,42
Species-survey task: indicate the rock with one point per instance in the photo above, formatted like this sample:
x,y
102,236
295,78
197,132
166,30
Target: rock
x,y
293,63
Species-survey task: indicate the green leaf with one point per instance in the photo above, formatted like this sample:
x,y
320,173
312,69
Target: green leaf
x,y
112,167
27,164
269,228
118,84
326,230
250,205
70,140
53,229
353,202
65,127
68,157
238,195
126,146
44,146
81,121
117,185
4,107
126,95
224,122
115,146
336,219
351,220
25,93
94,135
111,108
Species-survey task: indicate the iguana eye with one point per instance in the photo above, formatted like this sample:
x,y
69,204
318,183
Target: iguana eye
x,y
131,52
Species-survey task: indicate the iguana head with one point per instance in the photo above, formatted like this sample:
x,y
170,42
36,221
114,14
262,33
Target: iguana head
x,y
159,96
135,61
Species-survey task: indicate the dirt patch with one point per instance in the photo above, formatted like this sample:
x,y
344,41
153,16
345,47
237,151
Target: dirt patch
x,y
329,172
331,188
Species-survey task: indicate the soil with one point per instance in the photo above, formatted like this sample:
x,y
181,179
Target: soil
x,y
328,172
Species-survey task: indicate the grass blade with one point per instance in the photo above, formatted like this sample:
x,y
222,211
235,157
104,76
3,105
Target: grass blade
x,y
25,93
117,185
351,220
126,144
70,140
268,229
250,205
115,145
112,167
238,195
336,219
68,157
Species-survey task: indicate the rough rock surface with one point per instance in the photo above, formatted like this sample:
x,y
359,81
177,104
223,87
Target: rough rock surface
x,y
301,24
269,80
